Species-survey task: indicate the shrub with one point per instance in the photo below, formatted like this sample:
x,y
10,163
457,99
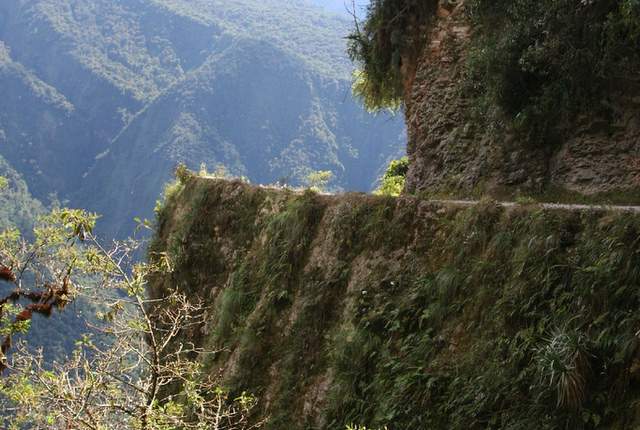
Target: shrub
x,y
378,43
392,182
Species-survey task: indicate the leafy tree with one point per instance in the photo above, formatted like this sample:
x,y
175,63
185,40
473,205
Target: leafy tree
x,y
544,64
547,64
319,179
392,182
134,370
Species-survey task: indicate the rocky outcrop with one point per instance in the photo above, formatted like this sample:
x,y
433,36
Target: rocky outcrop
x,y
451,151
600,157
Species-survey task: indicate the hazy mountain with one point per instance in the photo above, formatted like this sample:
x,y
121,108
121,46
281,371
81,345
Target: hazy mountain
x,y
102,98
339,6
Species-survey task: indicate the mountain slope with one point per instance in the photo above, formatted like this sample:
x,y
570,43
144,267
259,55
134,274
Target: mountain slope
x,y
271,120
36,124
259,88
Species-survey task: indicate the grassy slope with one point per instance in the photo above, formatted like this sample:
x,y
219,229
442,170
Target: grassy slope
x,y
411,314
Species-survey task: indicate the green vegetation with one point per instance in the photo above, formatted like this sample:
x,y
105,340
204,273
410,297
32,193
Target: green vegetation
x,y
392,182
377,45
357,428
522,293
319,179
376,100
17,207
547,65
622,198
104,99
41,90
20,214
409,314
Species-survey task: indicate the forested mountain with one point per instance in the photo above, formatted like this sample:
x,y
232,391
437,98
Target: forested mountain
x,y
100,99
17,208
339,6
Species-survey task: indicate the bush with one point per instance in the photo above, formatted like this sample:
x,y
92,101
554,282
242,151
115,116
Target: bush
x,y
392,182
545,64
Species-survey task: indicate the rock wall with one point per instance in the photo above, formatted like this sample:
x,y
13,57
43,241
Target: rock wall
x,y
449,152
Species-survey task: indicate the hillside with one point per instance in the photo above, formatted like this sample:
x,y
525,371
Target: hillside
x,y
338,6
254,117
102,97
407,313
18,209
338,309
36,124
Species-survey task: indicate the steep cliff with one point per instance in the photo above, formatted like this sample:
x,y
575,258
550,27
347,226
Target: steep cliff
x,y
407,313
511,97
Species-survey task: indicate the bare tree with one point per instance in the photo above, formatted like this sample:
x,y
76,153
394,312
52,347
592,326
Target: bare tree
x,y
134,370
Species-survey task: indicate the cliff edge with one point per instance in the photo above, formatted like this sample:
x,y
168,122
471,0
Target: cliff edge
x,y
407,313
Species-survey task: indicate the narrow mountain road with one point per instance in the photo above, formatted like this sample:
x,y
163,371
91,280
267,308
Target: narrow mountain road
x,y
550,205
562,206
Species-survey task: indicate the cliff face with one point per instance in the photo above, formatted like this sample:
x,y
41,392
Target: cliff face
x,y
408,313
451,150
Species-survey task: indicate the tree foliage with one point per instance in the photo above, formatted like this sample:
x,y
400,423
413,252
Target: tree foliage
x,y
392,182
378,43
319,179
134,369
17,206
544,64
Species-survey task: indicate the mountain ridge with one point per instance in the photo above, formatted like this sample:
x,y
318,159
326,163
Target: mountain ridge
x,y
118,64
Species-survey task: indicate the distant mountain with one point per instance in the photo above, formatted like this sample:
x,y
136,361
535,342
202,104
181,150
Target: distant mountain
x,y
18,209
102,98
339,6
37,124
